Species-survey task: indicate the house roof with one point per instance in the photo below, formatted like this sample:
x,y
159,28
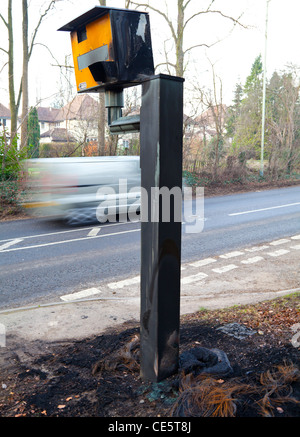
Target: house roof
x,y
48,114
82,107
4,112
60,135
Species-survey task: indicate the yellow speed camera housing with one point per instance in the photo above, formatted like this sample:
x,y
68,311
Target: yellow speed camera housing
x,y
111,48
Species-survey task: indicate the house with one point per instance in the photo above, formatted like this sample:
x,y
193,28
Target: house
x,y
48,118
4,118
57,135
77,121
80,118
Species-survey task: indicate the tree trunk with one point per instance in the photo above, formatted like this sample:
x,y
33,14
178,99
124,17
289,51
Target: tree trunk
x,y
24,125
12,96
179,39
101,125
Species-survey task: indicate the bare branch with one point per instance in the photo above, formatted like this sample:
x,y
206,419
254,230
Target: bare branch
x,y
19,94
46,47
6,63
67,67
208,11
42,16
186,4
3,50
166,63
4,21
201,45
164,15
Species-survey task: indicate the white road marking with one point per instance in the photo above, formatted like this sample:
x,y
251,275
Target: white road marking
x,y
71,241
296,237
80,294
124,283
193,278
203,262
278,242
253,260
225,268
264,209
10,243
231,254
279,252
257,248
94,232
297,247
67,232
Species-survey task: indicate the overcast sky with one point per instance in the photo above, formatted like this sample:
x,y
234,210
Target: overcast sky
x,y
232,57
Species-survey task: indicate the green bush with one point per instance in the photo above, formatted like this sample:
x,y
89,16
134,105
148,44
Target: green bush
x,y
9,192
11,174
10,159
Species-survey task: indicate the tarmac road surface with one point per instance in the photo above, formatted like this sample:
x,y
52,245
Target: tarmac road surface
x,y
43,261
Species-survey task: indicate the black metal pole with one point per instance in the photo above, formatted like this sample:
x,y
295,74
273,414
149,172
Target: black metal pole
x,y
161,166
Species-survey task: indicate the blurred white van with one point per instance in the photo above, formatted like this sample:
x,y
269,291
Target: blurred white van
x,y
82,190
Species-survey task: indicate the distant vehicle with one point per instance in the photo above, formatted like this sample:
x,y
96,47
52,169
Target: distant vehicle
x,y
82,190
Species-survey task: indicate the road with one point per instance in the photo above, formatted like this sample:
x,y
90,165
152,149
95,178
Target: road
x,y
42,260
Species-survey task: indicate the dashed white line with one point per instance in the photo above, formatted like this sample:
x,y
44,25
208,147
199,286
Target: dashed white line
x,y
297,247
124,283
296,237
253,260
278,242
225,268
256,248
278,252
80,294
193,278
94,232
203,262
11,243
231,255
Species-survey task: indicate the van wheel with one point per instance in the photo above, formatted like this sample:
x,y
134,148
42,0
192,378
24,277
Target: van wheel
x,y
80,216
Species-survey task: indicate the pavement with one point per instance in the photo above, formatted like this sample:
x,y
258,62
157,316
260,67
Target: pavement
x,y
241,277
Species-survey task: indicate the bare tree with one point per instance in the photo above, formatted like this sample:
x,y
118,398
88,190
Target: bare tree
x,y
24,125
10,54
214,116
283,122
179,28
14,101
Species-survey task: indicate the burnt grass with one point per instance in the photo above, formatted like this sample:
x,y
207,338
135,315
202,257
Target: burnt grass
x,y
100,376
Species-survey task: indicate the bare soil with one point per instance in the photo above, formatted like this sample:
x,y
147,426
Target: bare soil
x,y
100,376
